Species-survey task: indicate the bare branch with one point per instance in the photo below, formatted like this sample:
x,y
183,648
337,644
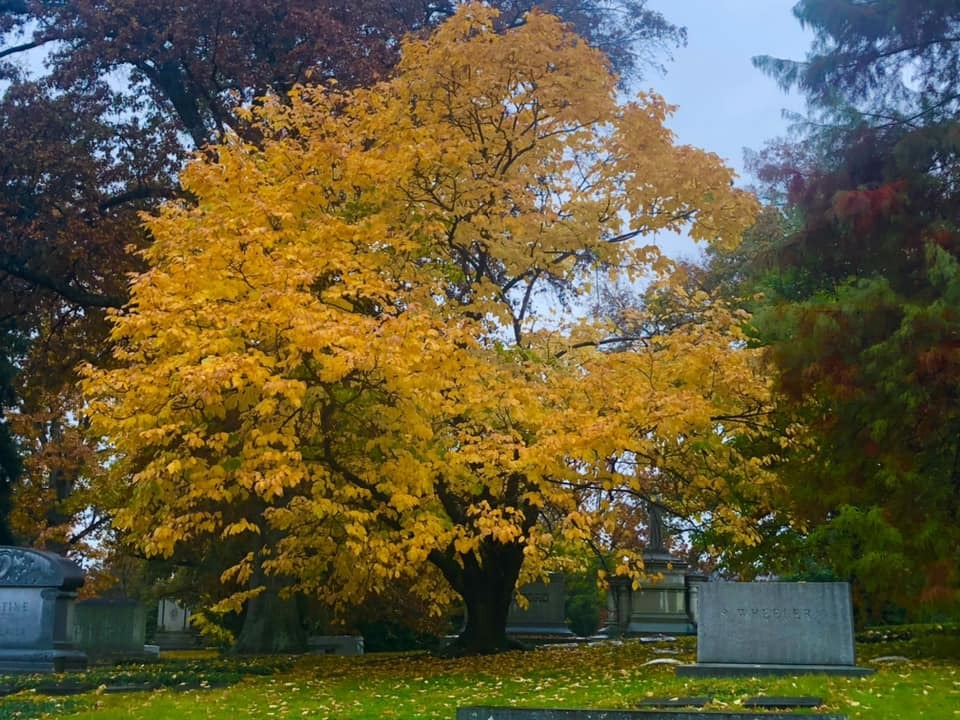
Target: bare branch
x,y
606,341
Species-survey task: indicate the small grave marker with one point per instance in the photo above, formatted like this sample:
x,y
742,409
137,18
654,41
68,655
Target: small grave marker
x,y
694,701
770,701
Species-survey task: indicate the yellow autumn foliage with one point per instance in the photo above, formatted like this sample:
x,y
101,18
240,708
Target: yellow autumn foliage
x,y
362,347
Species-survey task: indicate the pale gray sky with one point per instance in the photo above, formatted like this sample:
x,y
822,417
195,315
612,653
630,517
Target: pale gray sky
x,y
724,103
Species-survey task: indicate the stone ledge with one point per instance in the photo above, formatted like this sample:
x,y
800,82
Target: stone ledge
x,y
15,661
508,713
758,670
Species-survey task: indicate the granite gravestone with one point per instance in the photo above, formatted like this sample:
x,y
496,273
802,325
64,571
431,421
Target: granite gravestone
x,y
545,616
774,628
37,591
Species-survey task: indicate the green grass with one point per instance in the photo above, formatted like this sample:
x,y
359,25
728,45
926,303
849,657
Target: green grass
x,y
419,686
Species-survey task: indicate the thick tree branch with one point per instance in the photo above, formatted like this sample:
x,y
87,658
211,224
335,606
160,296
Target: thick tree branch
x,y
14,49
144,192
85,298
88,530
168,79
606,341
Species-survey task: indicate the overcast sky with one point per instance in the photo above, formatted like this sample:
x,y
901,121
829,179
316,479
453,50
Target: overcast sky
x,y
725,104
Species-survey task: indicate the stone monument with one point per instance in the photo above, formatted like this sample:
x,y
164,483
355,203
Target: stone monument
x,y
660,605
545,615
110,629
774,628
37,592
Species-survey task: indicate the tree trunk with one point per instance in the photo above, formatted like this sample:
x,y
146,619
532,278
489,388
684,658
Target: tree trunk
x,y
487,587
272,624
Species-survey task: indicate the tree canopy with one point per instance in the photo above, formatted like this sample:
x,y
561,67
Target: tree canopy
x,y
349,350
102,104
860,281
894,60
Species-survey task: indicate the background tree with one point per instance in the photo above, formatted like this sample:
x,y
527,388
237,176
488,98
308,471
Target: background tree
x,y
730,277
347,350
859,272
895,61
10,467
103,102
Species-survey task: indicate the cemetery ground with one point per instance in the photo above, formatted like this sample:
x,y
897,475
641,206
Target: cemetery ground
x,y
918,676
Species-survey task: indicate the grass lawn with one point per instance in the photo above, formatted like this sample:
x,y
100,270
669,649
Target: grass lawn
x,y
604,676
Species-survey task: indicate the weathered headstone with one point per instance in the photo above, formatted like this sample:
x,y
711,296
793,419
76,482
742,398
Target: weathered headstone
x,y
37,592
110,628
545,616
774,628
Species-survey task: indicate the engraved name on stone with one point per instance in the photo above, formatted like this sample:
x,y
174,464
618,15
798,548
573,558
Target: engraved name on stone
x,y
7,607
773,613
775,623
533,598
11,616
21,613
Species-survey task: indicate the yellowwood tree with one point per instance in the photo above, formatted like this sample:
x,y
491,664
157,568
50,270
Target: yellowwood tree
x,y
352,360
